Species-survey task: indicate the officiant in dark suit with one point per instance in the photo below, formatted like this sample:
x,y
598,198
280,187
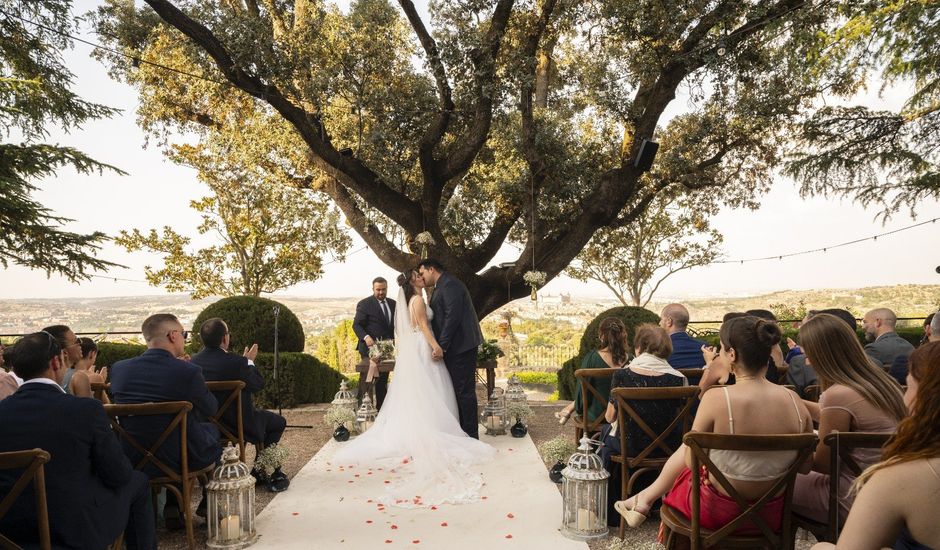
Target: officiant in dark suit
x,y
375,320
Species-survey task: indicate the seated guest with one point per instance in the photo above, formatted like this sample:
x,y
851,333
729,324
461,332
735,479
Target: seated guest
x,y
857,397
899,498
800,373
776,353
931,334
262,428
717,371
686,351
612,354
648,370
753,405
884,345
80,374
92,492
9,381
159,376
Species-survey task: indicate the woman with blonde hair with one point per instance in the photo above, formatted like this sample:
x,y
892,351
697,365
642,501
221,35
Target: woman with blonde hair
x,y
899,497
857,396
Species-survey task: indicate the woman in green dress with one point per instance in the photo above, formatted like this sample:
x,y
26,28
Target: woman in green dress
x,y
612,354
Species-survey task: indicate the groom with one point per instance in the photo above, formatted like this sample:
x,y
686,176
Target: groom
x,y
457,330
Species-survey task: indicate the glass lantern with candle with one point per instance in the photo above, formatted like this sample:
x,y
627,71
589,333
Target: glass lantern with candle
x,y
365,418
230,513
494,416
515,393
584,494
345,398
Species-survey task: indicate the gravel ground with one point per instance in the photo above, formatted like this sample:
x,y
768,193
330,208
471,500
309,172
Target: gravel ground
x,y
304,443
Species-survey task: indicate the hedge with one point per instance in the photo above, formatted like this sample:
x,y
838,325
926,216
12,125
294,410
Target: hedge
x,y
631,317
250,321
302,378
110,353
536,377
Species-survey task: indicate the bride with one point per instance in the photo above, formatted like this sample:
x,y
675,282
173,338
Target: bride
x,y
416,437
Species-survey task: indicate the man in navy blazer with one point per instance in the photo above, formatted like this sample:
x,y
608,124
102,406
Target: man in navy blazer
x,y
93,493
158,376
686,351
375,320
457,330
261,427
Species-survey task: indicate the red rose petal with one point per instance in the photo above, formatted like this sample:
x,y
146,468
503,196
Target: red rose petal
x,y
405,461
508,536
350,481
387,481
444,524
394,526
484,498
510,516
415,542
369,501
387,541
368,521
296,514
434,507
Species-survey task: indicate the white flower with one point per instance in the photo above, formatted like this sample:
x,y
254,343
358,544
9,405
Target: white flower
x,y
534,278
338,415
425,238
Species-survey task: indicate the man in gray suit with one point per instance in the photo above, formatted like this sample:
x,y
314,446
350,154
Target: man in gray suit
x,y
884,345
457,330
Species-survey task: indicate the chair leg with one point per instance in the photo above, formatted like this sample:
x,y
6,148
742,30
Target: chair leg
x,y
187,506
623,528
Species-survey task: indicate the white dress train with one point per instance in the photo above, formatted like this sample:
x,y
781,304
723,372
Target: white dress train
x,y
416,437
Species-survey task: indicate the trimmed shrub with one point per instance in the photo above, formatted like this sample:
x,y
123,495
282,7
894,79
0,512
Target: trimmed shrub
x,y
302,379
251,321
535,377
631,317
110,353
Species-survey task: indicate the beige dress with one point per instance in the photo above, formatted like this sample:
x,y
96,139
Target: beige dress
x,y
811,495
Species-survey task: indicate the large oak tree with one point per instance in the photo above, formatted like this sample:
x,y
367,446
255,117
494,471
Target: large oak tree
x,y
495,121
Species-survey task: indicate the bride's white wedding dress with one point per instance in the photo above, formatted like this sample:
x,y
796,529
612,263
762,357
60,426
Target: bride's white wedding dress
x,y
416,437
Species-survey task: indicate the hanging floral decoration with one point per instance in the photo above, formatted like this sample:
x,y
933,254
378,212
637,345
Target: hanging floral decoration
x,y
425,240
534,279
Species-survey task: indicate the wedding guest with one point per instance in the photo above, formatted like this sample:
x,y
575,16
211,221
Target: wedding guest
x,y
884,345
612,354
717,371
374,320
262,428
801,374
81,374
931,334
857,397
753,405
9,383
157,376
899,497
93,493
686,351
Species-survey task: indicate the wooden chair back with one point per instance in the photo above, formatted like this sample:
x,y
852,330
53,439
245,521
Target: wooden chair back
x,y
692,374
632,467
700,444
179,482
31,462
812,392
782,374
585,378
232,398
99,390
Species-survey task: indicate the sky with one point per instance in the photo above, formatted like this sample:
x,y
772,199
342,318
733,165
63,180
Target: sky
x,y
157,192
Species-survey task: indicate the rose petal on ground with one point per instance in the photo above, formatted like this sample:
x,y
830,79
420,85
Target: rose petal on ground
x,y
387,541
368,521
296,514
510,516
434,507
415,542
443,524
508,536
394,526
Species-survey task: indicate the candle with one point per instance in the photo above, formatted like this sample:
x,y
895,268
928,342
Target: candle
x,y
492,423
230,528
587,520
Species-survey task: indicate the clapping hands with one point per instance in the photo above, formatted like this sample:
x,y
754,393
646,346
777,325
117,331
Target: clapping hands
x,y
251,353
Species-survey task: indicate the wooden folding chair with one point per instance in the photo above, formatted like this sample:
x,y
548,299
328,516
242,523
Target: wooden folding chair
x,y
782,374
233,397
589,392
99,390
31,462
694,375
179,482
840,443
631,467
676,523
812,392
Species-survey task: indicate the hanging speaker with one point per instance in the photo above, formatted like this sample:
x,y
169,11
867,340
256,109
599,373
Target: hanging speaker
x,y
644,159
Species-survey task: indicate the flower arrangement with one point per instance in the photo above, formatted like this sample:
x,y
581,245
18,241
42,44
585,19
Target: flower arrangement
x,y
425,240
383,350
534,279
520,411
338,416
272,458
489,351
557,449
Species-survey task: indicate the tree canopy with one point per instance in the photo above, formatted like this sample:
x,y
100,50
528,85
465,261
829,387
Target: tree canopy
x,y
495,121
34,95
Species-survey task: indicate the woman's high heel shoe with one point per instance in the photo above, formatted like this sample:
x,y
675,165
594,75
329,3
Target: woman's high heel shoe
x,y
563,417
633,517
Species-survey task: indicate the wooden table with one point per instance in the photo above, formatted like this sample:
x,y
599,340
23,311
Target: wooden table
x,y
388,366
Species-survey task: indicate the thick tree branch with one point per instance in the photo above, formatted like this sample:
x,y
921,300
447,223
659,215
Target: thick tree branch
x,y
383,248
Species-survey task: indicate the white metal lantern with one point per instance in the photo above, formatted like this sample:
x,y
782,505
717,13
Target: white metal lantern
x,y
230,514
344,397
515,393
494,416
365,418
584,492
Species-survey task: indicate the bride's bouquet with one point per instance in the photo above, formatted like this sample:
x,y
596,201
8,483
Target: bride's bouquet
x,y
383,350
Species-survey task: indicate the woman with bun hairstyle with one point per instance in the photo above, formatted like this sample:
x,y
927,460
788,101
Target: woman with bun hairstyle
x,y
857,397
751,406
899,497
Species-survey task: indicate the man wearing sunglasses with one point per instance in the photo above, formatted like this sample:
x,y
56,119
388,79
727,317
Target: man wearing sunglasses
x,y
158,376
93,493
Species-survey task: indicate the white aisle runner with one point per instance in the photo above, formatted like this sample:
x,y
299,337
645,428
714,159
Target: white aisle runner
x,y
332,506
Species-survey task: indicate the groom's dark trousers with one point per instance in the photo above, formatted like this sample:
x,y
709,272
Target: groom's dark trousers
x,y
462,368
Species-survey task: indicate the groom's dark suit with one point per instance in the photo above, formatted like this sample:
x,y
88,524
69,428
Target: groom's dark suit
x,y
457,330
371,321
